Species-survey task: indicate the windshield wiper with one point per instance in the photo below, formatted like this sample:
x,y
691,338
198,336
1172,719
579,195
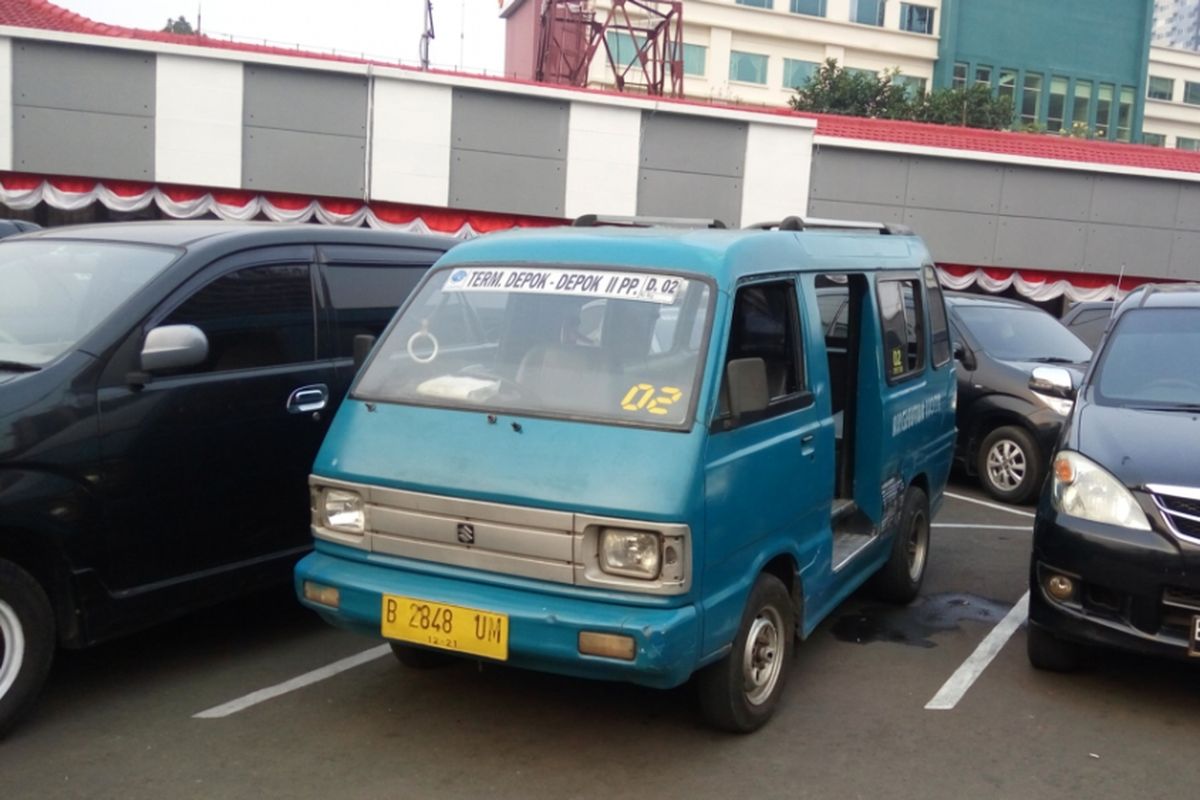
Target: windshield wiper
x,y
1190,408
1052,360
18,366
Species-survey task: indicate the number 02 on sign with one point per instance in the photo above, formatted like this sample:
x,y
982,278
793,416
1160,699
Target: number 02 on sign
x,y
455,628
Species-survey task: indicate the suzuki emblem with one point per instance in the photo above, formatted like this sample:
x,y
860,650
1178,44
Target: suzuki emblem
x,y
466,533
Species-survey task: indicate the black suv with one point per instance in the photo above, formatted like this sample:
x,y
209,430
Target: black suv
x,y
1005,429
1116,543
164,388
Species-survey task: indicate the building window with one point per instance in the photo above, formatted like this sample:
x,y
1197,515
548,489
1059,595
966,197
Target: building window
x,y
1185,143
913,87
1007,86
1154,139
864,72
695,59
983,76
917,19
623,49
1057,102
796,73
1160,88
1031,98
959,80
757,3
1191,93
747,67
1081,109
867,12
1125,115
1104,106
814,8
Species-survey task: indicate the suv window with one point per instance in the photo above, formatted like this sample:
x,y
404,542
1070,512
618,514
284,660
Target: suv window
x,y
766,325
903,328
365,297
254,317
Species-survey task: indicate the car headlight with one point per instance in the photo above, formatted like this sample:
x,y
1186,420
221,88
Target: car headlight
x,y
342,511
1059,405
634,554
1082,488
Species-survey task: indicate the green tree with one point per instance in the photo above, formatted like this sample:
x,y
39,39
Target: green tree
x,y
835,90
973,107
180,25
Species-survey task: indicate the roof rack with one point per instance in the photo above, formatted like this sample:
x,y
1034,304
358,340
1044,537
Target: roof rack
x,y
795,223
595,220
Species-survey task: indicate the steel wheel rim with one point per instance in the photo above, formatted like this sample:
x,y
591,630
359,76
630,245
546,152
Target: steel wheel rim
x,y
917,545
762,659
12,647
1006,465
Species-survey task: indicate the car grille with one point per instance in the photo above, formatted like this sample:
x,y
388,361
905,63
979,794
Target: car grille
x,y
1181,513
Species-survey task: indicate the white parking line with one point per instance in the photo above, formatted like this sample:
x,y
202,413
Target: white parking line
x,y
996,506
982,527
300,681
953,690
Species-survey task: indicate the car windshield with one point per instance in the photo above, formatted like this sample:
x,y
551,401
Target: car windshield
x,y
606,345
1010,333
56,291
1152,358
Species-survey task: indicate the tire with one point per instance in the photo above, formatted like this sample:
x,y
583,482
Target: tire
x,y
1009,464
1047,652
899,579
27,641
420,657
735,696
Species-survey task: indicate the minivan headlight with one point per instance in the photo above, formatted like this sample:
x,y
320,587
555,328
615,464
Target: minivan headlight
x,y
1082,488
634,554
342,510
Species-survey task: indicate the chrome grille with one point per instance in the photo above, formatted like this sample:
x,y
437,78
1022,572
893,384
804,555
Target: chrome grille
x,y
1180,507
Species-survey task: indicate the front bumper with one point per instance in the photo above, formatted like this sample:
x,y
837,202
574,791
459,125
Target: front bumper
x,y
1137,590
543,627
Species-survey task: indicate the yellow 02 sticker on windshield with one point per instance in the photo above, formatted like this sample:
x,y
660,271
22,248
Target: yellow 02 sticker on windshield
x,y
650,398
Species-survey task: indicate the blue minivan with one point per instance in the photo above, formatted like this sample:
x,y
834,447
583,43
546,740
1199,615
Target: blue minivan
x,y
639,454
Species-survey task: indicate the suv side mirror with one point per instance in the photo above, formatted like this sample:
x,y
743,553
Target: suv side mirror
x,y
1052,381
964,356
747,379
174,347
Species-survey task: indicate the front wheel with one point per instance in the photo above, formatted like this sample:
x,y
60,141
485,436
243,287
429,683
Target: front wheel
x,y
739,693
1010,464
26,642
899,579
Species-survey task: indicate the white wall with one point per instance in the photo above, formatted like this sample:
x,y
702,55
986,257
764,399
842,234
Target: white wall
x,y
410,156
603,147
198,121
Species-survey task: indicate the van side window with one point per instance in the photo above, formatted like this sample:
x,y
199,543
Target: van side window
x,y
766,325
938,332
902,322
365,297
255,317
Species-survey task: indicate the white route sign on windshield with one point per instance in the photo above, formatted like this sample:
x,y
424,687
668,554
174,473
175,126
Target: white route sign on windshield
x,y
644,286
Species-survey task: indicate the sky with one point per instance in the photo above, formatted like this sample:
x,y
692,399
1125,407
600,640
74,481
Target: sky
x,y
385,29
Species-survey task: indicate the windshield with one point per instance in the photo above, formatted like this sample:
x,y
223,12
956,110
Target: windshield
x,y
56,291
591,343
1010,333
1152,358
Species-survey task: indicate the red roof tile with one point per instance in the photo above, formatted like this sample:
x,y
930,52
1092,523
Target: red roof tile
x,y
44,15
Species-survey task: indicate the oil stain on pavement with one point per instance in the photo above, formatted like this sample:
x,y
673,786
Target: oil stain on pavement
x,y
916,624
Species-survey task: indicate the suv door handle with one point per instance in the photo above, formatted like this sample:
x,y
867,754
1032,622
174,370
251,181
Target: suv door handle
x,y
307,399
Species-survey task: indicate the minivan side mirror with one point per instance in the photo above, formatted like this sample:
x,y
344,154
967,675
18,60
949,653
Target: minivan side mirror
x,y
174,347
363,343
964,356
1052,381
747,378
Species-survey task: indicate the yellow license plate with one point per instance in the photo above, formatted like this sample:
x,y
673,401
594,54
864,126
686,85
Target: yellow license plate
x,y
462,630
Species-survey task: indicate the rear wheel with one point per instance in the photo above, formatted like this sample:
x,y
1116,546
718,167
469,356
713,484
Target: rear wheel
x,y
1046,651
420,657
899,579
1010,465
26,642
739,693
